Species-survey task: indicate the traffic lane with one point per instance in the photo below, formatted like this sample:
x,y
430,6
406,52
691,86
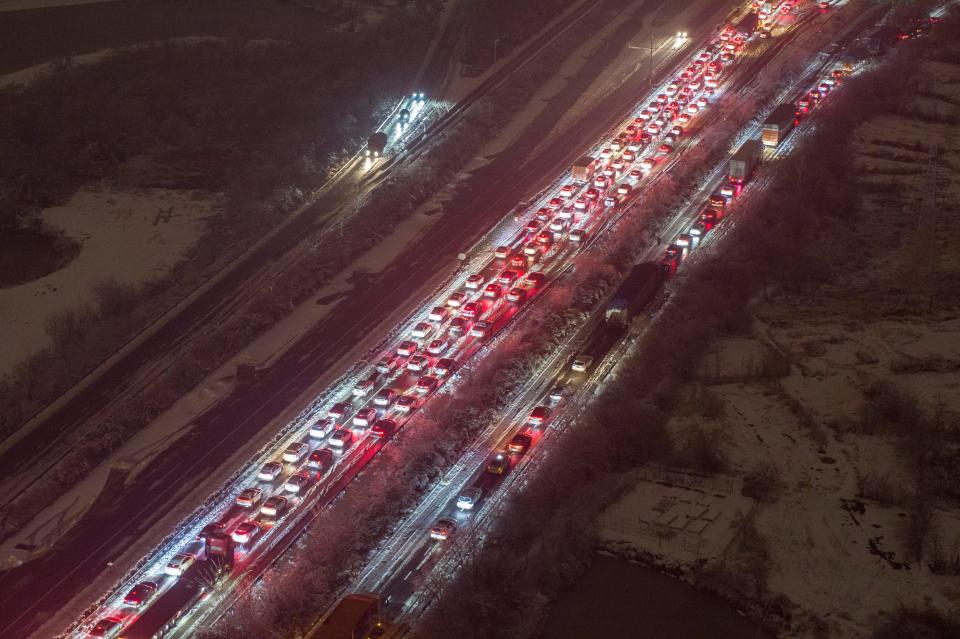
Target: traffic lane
x,y
245,416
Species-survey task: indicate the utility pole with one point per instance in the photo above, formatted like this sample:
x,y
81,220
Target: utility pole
x,y
651,49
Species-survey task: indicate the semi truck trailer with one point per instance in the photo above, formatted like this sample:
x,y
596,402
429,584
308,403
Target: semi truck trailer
x,y
744,161
780,122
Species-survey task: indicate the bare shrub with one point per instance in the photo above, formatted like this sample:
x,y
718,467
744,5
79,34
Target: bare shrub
x,y
763,483
700,447
880,487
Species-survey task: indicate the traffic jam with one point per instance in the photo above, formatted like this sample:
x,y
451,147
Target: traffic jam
x,y
357,418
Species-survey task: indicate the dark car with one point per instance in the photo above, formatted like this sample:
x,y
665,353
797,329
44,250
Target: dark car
x,y
520,443
383,428
140,594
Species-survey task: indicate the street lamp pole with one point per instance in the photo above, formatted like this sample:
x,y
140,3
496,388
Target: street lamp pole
x,y
650,49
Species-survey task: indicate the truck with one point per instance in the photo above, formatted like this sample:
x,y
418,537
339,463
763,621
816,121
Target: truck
x,y
744,161
583,169
376,143
747,25
352,618
165,613
778,124
633,294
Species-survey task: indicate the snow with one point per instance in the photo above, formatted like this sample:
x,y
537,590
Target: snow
x,y
20,5
123,236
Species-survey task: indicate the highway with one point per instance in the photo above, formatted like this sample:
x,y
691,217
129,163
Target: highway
x,y
547,249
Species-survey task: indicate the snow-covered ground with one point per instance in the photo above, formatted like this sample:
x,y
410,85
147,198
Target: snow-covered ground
x,y
20,5
130,236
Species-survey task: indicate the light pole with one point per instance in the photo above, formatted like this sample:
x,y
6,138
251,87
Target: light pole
x,y
651,49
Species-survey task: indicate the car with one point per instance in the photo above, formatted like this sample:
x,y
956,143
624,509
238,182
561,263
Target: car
x,y
702,102
426,384
249,497
297,482
516,295
498,464
653,128
545,238
824,88
338,410
445,366
507,278
728,191
543,214
140,594
558,393
406,403
716,201
581,363
469,498
610,201
107,628
179,564
480,329
322,427
557,225
600,182
532,249
607,173
617,144
577,235
503,252
567,190
684,240
274,506
456,300
418,363
245,532
295,452
493,291
644,116
438,314
407,347
458,326
671,90
475,281
647,163
538,415
692,108
270,471
629,156
383,428
517,261
384,398
619,165
363,418
624,189
321,459
763,34
531,227
443,529
387,365
535,279
635,175
708,217
554,204
631,130
363,387
520,443
341,438
422,329
695,86
669,139
581,203
606,154
438,346
473,310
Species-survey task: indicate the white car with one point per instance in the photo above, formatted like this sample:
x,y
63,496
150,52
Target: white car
x,y
249,498
383,399
438,314
363,418
179,564
417,363
577,235
457,299
581,363
363,388
245,532
407,404
422,330
558,224
606,154
295,452
646,164
438,346
475,281
727,191
297,482
480,329
624,189
322,428
407,348
469,498
270,471
341,438
387,364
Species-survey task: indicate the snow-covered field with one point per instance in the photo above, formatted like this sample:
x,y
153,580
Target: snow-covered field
x,y
837,547
130,236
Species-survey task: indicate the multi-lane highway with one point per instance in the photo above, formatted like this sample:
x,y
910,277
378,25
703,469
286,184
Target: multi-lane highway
x,y
318,454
